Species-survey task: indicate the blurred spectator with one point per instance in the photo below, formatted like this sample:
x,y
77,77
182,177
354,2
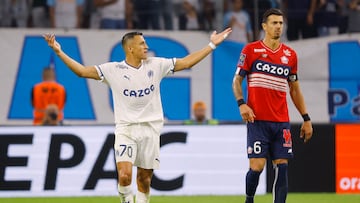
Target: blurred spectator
x,y
167,13
39,14
300,18
238,19
51,116
148,14
354,16
65,13
343,12
256,18
326,17
227,6
199,111
115,14
207,15
47,92
90,17
5,13
188,19
14,13
275,3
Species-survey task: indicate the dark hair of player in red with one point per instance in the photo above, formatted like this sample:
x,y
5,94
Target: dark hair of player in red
x,y
272,11
129,35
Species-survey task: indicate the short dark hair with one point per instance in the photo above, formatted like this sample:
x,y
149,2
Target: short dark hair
x,y
47,71
272,11
129,35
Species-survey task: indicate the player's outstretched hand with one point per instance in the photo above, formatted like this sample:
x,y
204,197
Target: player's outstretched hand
x,y
306,131
247,113
217,38
50,39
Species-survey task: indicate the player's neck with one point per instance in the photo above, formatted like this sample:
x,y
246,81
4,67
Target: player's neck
x,y
271,43
136,63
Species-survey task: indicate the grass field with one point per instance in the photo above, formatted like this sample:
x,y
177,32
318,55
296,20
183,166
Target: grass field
x,y
292,198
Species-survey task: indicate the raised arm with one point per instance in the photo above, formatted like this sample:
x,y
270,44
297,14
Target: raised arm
x,y
194,58
298,100
77,68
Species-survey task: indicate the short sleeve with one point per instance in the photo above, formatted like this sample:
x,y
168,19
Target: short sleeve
x,y
104,71
243,65
167,66
294,67
100,73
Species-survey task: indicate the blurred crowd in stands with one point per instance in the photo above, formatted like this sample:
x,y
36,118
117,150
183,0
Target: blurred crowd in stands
x,y
305,18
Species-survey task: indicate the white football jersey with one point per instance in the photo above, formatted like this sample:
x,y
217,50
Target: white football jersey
x,y
136,91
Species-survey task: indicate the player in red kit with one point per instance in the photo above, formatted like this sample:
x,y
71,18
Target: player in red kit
x,y
270,67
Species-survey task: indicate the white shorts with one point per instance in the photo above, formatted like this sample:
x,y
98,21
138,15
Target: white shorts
x,y
138,144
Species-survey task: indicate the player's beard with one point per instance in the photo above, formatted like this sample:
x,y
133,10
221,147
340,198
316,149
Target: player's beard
x,y
276,37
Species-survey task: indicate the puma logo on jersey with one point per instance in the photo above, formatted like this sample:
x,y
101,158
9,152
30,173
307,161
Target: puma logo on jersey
x,y
271,68
139,93
126,77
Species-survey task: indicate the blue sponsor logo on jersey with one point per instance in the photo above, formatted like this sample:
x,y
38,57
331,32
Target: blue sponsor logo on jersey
x,y
273,69
139,92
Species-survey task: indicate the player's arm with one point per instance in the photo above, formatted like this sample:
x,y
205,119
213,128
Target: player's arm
x,y
194,58
77,68
246,112
299,102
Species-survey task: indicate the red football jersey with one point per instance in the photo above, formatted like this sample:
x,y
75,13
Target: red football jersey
x,y
268,72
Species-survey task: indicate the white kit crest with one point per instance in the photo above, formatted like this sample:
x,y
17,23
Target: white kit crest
x,y
284,60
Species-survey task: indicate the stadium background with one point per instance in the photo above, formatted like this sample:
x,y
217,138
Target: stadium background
x,y
329,74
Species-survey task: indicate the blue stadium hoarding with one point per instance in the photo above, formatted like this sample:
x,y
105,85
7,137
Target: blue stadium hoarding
x,y
344,81
79,106
343,92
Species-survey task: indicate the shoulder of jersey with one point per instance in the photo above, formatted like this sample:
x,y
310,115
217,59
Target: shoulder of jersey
x,y
288,50
120,65
253,46
152,59
285,46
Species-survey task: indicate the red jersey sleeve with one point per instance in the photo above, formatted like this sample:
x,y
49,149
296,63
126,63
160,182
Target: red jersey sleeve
x,y
294,66
244,64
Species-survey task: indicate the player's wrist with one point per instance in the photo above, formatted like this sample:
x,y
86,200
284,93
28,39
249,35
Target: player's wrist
x,y
240,102
306,117
212,45
58,52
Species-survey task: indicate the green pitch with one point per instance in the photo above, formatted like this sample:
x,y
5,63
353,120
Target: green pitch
x,y
292,198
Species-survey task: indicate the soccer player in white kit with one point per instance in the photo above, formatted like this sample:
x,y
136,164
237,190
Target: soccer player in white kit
x,y
135,85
